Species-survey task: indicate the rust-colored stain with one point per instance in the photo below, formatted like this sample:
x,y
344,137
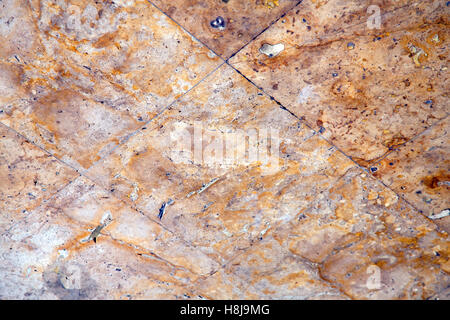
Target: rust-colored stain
x,y
439,180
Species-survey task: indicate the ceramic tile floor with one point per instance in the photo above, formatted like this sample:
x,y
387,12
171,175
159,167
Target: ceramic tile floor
x,y
156,150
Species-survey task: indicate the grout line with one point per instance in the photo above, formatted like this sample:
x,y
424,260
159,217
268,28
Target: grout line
x,y
185,30
264,30
303,121
398,147
120,199
132,134
129,136
49,198
327,40
41,148
204,44
226,61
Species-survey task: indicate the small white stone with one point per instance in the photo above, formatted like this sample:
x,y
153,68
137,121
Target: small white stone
x,y
63,253
271,50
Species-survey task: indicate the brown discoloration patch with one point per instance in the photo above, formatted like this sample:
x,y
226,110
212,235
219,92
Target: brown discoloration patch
x,y
437,180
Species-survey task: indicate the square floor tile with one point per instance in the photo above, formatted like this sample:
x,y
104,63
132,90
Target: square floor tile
x,y
159,166
28,175
242,20
419,171
367,92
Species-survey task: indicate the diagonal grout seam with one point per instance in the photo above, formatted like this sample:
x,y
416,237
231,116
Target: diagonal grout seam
x,y
285,109
302,120
272,98
185,30
111,151
327,40
88,178
81,224
204,44
264,30
129,136
397,147
124,141
46,199
132,134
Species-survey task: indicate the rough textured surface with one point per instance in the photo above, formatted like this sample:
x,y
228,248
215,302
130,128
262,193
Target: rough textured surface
x,y
87,75
28,175
138,162
243,20
247,200
362,86
420,172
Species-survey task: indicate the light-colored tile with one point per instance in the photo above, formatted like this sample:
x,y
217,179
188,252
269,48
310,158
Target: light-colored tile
x,y
28,175
368,90
89,74
359,241
242,20
249,198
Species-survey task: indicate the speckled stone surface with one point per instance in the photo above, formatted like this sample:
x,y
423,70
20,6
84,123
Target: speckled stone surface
x,y
230,215
369,89
296,150
242,20
80,77
28,176
420,172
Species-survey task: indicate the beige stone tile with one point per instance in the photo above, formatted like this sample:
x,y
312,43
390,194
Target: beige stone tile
x,y
28,175
243,20
272,272
374,232
313,22
367,92
337,248
86,75
87,203
200,208
249,198
419,171
72,126
46,255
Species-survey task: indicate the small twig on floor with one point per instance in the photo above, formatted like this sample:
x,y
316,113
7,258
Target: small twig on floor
x,y
203,188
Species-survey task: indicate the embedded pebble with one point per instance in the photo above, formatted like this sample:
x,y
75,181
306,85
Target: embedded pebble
x,y
218,23
444,213
271,50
